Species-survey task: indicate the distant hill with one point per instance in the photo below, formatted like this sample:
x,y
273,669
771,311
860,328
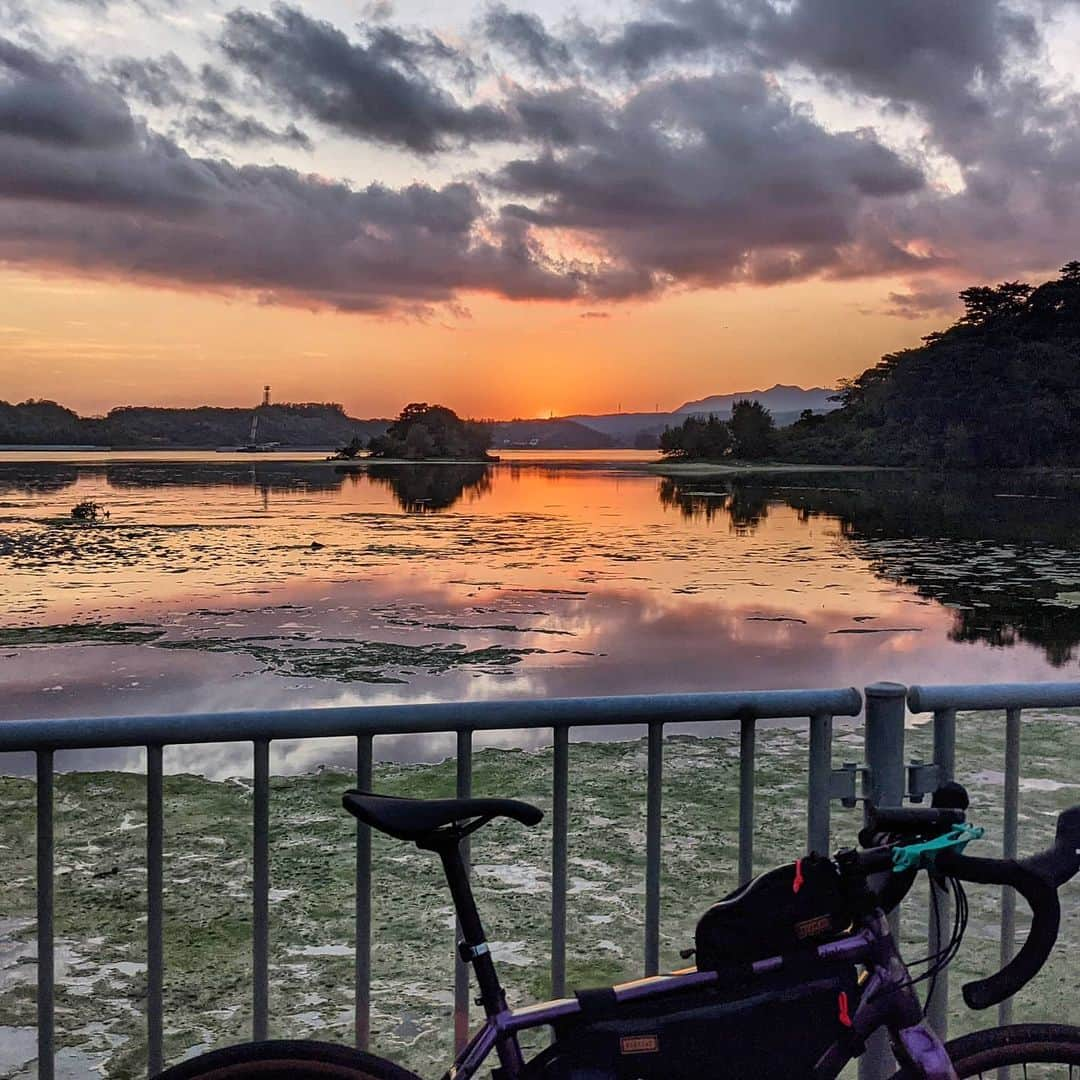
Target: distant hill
x,y
1000,388
43,423
642,429
548,435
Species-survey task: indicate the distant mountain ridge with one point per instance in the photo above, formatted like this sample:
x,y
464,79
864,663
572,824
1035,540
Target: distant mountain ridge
x,y
777,399
641,429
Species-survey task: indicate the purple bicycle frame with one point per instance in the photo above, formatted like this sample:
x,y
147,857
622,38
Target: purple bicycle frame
x,y
887,1000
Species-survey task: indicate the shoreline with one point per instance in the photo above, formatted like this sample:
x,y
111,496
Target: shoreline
x,y
642,462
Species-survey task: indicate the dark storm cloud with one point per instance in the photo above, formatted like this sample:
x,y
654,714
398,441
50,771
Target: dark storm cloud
x,y
659,152
965,68
88,187
160,81
46,102
707,180
524,36
212,122
376,90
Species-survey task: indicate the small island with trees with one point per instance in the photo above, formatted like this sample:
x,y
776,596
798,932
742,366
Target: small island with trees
x,y
425,432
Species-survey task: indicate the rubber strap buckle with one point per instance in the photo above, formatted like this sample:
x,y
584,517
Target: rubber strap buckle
x,y
469,953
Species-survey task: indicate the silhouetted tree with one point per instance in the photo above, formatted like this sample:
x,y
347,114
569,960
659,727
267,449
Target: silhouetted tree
x,y
752,430
697,437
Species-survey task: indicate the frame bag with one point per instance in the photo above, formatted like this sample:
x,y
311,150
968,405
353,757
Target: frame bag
x,y
774,1027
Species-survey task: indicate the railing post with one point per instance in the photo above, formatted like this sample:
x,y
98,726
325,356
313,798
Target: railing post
x,y
1009,847
154,917
885,711
747,734
652,847
559,829
819,774
937,1001
260,927
46,1064
461,968
362,1018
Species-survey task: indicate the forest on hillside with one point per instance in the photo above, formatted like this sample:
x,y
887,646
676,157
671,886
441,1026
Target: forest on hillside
x,y
1000,388
45,423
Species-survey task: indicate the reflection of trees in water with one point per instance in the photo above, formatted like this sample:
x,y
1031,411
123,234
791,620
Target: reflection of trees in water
x,y
425,489
992,547
418,488
37,479
743,506
259,476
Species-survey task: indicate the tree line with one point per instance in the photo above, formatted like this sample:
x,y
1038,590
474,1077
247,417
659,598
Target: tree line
x,y
749,435
1000,388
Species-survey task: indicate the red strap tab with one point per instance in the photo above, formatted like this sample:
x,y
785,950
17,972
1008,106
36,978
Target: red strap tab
x,y
797,884
842,1009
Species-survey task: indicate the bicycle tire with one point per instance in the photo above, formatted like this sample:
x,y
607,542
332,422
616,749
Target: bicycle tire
x,y
983,1052
287,1059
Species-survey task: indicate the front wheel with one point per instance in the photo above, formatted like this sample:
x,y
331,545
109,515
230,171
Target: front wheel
x,y
1036,1050
287,1059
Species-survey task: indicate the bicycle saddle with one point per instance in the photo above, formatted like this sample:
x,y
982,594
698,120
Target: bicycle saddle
x,y
413,819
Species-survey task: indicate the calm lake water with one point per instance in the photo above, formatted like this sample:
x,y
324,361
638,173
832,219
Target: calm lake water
x,y
221,583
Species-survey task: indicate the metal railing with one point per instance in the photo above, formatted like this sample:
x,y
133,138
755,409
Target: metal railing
x,y
883,780
44,737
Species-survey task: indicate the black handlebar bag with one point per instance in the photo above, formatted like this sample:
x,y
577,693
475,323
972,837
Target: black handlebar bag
x,y
786,910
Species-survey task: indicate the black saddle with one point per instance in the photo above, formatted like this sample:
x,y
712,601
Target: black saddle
x,y
414,819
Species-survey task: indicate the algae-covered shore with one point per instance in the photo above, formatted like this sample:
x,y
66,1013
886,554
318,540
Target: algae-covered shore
x,y
100,894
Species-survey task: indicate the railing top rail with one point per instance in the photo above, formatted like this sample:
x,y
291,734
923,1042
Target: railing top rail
x,y
114,731
1050,695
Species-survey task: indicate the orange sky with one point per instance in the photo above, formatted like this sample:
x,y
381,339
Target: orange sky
x,y
95,344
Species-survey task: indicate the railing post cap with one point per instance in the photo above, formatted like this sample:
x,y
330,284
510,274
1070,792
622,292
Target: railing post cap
x,y
886,690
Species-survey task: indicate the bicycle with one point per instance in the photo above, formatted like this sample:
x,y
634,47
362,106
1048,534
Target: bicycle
x,y
794,972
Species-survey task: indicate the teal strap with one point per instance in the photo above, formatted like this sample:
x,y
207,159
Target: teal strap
x,y
921,856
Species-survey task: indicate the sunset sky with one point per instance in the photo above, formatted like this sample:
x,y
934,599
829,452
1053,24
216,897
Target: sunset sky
x,y
559,207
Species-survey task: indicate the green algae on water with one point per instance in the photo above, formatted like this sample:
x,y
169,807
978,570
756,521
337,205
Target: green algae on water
x,y
80,634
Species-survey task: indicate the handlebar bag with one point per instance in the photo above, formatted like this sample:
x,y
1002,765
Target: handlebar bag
x,y
775,1027
782,911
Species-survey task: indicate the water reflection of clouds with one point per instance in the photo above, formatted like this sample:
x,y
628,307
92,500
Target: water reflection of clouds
x,y
667,585
644,643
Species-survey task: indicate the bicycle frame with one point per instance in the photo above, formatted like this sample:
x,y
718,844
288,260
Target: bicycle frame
x,y
887,1000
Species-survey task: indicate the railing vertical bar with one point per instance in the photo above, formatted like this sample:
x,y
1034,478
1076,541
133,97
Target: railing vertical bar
x,y
747,734
884,737
560,766
260,938
362,1019
45,982
653,833
1010,829
937,1002
820,770
154,917
461,969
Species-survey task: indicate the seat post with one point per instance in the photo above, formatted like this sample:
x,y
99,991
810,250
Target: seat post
x,y
473,946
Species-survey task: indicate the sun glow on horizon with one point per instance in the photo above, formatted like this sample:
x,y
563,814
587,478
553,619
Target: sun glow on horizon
x,y
93,346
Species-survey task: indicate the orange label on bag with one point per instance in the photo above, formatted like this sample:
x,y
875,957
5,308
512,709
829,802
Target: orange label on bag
x,y
639,1044
820,924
